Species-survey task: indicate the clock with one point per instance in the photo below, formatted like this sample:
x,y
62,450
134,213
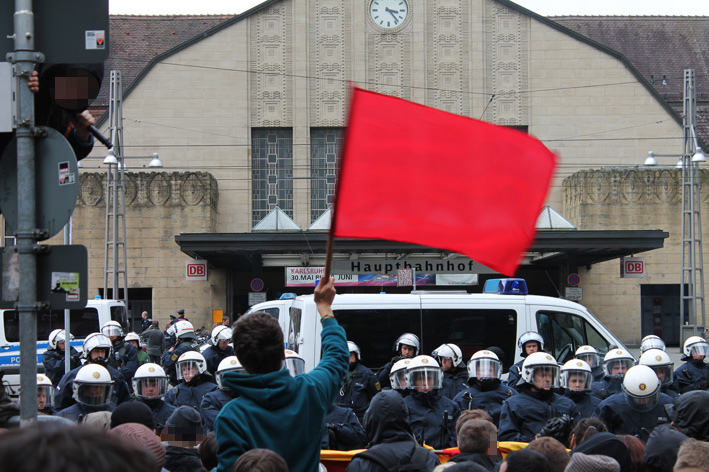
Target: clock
x,y
388,14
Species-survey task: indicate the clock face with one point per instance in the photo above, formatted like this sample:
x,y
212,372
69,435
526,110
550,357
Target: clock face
x,y
388,14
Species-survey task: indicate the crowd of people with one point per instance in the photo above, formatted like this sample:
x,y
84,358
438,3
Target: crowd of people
x,y
253,407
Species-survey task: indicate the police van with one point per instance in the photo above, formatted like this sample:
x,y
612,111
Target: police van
x,y
496,317
82,322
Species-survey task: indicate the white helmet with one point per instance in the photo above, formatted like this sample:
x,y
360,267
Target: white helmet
x,y
97,341
659,361
45,392
589,355
92,385
184,330
150,381
641,387
228,364
220,333
410,339
112,328
528,337
651,342
190,364
397,375
486,364
132,337
58,336
352,347
696,345
451,351
573,373
294,363
424,372
616,362
540,363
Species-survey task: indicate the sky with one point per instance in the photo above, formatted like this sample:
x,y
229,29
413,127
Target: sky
x,y
543,7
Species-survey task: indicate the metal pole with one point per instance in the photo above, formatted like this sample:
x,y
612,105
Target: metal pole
x,y
67,312
25,59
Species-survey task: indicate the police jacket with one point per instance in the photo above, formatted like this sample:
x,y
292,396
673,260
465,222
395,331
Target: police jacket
x,y
161,412
190,394
63,395
214,356
586,403
454,382
169,359
606,387
383,373
524,415
515,374
433,417
358,390
343,431
212,403
125,359
387,427
77,411
692,375
53,360
670,391
621,418
487,396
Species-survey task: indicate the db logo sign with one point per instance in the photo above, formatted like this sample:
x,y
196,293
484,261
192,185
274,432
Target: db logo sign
x,y
632,267
196,270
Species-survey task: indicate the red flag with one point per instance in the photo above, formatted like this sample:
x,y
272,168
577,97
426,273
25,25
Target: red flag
x,y
419,175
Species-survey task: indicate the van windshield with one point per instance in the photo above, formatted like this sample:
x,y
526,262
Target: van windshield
x,y
82,321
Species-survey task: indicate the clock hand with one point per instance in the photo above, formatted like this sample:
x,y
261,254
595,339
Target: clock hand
x,y
393,13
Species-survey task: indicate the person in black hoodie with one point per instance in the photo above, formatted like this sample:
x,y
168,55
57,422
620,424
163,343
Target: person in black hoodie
x,y
182,435
661,449
386,424
690,414
607,444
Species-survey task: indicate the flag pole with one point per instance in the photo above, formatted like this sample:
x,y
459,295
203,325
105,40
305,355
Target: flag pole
x,y
328,256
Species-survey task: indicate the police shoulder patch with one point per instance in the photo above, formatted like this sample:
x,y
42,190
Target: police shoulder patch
x,y
379,387
174,357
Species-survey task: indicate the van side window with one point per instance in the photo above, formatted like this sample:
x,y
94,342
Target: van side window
x,y
271,311
295,315
118,313
82,321
563,333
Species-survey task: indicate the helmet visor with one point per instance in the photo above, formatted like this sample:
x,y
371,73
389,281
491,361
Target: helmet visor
x,y
617,367
45,397
150,387
424,379
545,377
638,403
699,349
665,374
188,369
652,343
590,358
295,366
398,379
93,394
222,372
484,369
576,380
111,331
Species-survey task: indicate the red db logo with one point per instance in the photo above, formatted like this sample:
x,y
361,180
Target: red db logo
x,y
196,270
634,267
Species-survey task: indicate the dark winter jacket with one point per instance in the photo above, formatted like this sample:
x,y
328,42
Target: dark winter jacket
x,y
607,444
487,396
53,360
190,394
125,360
524,415
514,374
661,448
212,403
359,389
155,341
454,382
433,417
621,418
182,459
169,359
213,355
692,375
606,387
586,403
690,414
481,459
77,411
386,424
343,431
161,412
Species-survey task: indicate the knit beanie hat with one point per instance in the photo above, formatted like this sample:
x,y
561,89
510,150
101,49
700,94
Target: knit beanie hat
x,y
580,462
184,421
140,435
133,412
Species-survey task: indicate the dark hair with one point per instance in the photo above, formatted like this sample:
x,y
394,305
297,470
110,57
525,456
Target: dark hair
x,y
208,451
467,415
553,450
475,436
586,428
56,447
260,460
526,460
133,412
258,343
637,450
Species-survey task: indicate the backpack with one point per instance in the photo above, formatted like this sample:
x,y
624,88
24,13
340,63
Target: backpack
x,y
417,460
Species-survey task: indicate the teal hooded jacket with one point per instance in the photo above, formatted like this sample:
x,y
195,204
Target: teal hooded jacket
x,y
282,413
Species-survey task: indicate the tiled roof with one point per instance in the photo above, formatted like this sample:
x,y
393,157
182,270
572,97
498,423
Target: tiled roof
x,y
659,47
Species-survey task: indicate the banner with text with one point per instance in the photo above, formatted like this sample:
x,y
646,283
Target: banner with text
x,y
306,277
433,265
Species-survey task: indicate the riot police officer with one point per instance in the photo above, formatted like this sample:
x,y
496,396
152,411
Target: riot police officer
x,y
528,343
360,384
185,341
651,341
92,389
660,362
576,380
639,408
195,381
406,346
53,358
590,356
125,355
524,415
616,363
486,391
397,376
694,373
149,386
219,350
455,375
45,396
214,401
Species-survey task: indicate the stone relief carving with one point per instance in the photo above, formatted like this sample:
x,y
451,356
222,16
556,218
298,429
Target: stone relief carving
x,y
90,189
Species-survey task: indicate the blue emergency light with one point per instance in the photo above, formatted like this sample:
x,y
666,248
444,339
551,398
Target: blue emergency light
x,y
287,296
506,286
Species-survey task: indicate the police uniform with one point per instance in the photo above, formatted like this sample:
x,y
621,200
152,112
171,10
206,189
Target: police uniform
x,y
77,412
606,387
211,404
169,359
620,418
433,417
586,403
454,382
190,394
125,360
53,360
486,396
383,374
213,355
343,431
63,394
525,414
692,375
161,411
358,390
514,374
